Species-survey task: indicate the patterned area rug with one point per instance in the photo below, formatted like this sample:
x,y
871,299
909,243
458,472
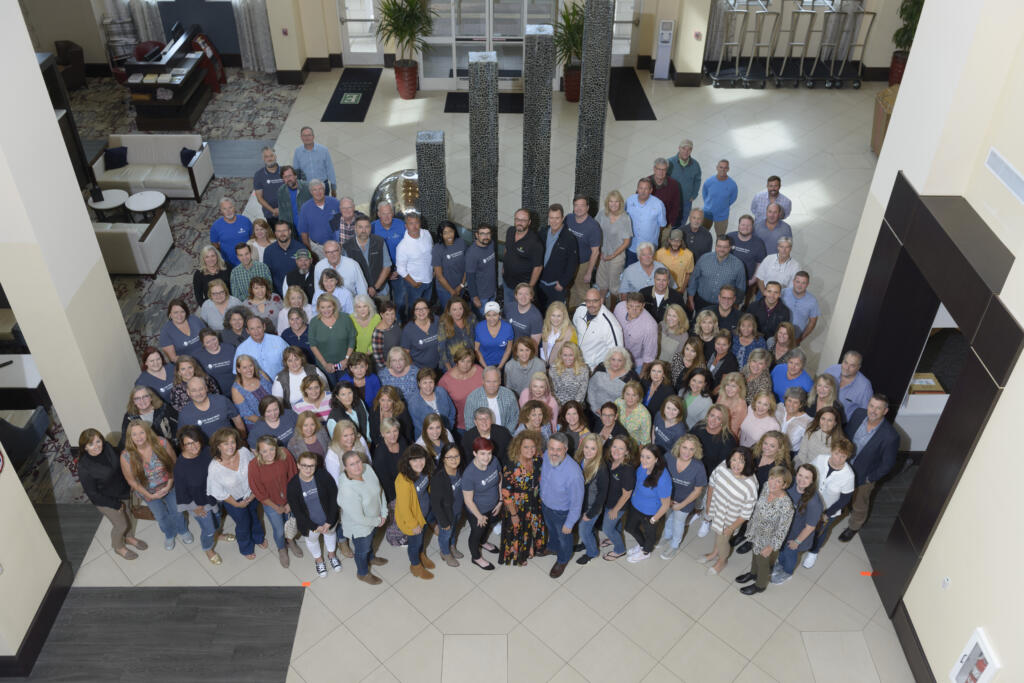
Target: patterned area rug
x,y
251,105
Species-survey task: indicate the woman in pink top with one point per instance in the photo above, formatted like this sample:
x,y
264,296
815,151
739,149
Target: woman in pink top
x,y
760,419
464,377
539,389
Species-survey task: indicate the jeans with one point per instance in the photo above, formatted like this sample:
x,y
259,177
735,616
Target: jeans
x,y
248,529
276,520
424,291
165,512
675,526
589,537
558,542
446,537
510,298
208,525
612,528
684,215
363,550
414,548
821,533
630,258
549,294
443,297
788,558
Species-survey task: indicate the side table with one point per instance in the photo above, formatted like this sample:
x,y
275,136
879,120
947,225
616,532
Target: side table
x,y
145,202
112,202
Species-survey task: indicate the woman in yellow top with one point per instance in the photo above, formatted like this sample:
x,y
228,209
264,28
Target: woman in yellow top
x,y
677,258
365,319
557,330
632,413
412,505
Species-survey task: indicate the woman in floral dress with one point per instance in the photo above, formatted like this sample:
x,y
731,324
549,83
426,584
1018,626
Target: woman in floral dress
x,y
523,534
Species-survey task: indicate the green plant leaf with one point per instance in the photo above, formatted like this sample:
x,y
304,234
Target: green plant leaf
x,y
406,23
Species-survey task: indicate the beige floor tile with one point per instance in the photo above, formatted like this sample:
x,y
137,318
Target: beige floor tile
x,y
339,655
784,598
608,582
435,597
518,589
380,675
184,571
293,676
419,659
686,584
265,570
99,546
386,624
890,662
154,559
610,656
840,656
100,572
529,659
652,622
740,621
343,594
701,657
822,611
471,658
564,623
784,657
234,563
752,674
567,674
315,622
846,580
660,674
475,612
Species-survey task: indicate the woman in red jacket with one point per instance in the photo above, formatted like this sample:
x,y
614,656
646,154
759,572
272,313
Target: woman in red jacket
x,y
269,483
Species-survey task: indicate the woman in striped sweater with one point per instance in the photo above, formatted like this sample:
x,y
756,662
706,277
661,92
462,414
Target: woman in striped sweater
x,y
732,492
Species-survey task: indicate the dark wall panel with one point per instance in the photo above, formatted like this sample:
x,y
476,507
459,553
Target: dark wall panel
x,y
863,327
903,202
216,18
893,564
998,341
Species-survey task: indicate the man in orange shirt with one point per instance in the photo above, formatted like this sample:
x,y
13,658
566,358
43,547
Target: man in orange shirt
x,y
677,258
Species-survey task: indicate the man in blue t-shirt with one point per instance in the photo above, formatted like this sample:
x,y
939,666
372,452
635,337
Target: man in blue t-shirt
x,y
230,229
588,236
719,193
280,256
265,183
207,412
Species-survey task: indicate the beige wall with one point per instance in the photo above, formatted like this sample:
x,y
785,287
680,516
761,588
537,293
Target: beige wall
x,y
311,14
289,50
51,20
688,52
332,26
955,103
28,559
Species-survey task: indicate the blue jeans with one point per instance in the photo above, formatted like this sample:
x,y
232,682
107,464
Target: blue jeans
x,y
208,525
821,533
787,558
684,215
276,520
362,548
510,298
414,548
446,537
558,542
675,525
589,537
442,297
165,512
549,294
612,528
248,530
411,294
630,258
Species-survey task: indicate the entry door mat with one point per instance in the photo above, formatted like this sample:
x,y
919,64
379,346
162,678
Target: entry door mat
x,y
351,99
508,103
626,96
193,634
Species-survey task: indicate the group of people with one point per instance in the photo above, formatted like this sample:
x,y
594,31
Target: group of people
x,y
350,379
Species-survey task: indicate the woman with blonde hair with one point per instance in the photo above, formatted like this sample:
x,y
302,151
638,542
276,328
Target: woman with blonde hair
x,y
556,331
539,389
309,435
262,237
569,374
344,438
769,525
106,487
610,378
757,373
705,327
251,385
365,320
760,418
672,332
228,482
825,394
689,358
217,304
595,493
145,405
616,235
746,338
689,479
211,267
456,328
632,413
523,532
400,373
734,395
148,466
294,297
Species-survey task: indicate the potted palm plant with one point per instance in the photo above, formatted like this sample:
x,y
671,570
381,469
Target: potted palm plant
x,y
910,13
405,23
569,47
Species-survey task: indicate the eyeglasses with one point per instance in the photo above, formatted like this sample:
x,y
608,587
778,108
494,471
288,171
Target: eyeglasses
x,y
307,466
453,456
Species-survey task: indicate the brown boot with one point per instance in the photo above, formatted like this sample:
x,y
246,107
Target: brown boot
x,y
419,571
345,549
294,547
426,561
370,579
450,560
282,555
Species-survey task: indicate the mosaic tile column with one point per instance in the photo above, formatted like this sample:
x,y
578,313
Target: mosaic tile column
x,y
597,54
483,137
430,171
538,71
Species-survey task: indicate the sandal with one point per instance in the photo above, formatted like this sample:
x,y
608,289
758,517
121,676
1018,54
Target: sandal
x,y
606,542
250,557
215,558
127,554
612,556
263,545
137,543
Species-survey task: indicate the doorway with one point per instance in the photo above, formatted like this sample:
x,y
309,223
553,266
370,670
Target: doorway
x,y
358,33
627,18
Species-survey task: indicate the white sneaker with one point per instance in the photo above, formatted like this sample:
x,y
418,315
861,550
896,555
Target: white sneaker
x,y
638,557
810,559
496,530
634,550
669,553
705,527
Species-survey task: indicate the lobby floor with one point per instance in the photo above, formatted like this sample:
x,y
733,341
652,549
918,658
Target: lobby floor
x,y
651,621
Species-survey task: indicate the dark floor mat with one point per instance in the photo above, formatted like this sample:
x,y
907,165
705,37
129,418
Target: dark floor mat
x,y
351,99
626,96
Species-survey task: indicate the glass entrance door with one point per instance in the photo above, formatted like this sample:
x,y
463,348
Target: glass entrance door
x,y
358,33
464,26
627,18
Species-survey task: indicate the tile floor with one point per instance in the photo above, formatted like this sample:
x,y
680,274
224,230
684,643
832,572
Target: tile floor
x,y
652,621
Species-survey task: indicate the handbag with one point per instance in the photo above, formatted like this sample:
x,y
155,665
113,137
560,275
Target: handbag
x,y
291,527
139,508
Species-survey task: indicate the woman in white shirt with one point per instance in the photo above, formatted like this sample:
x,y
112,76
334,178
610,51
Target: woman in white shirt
x,y
228,481
288,383
836,482
792,418
344,438
557,330
294,297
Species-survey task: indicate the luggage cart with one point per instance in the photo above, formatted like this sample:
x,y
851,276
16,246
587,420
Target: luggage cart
x,y
789,68
765,35
849,69
822,69
727,71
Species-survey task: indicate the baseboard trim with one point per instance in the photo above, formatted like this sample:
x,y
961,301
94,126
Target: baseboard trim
x,y
291,77
644,63
317,64
231,59
686,80
335,58
39,630
389,60
912,649
875,73
97,70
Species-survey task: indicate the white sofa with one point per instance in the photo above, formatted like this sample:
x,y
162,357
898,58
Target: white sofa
x,y
154,163
135,248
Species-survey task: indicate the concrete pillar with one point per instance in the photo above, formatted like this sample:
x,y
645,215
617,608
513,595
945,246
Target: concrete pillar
x,y
50,263
538,70
430,168
597,55
483,137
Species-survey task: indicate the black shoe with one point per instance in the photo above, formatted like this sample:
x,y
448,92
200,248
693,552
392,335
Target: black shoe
x,y
556,570
746,547
746,578
735,540
847,535
583,559
578,547
486,567
489,547
752,589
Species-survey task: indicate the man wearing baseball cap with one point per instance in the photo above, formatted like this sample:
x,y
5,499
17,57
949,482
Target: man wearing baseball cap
x,y
302,275
686,171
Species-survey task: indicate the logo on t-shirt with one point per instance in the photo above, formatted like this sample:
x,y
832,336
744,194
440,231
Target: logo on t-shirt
x,y
453,254
427,340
